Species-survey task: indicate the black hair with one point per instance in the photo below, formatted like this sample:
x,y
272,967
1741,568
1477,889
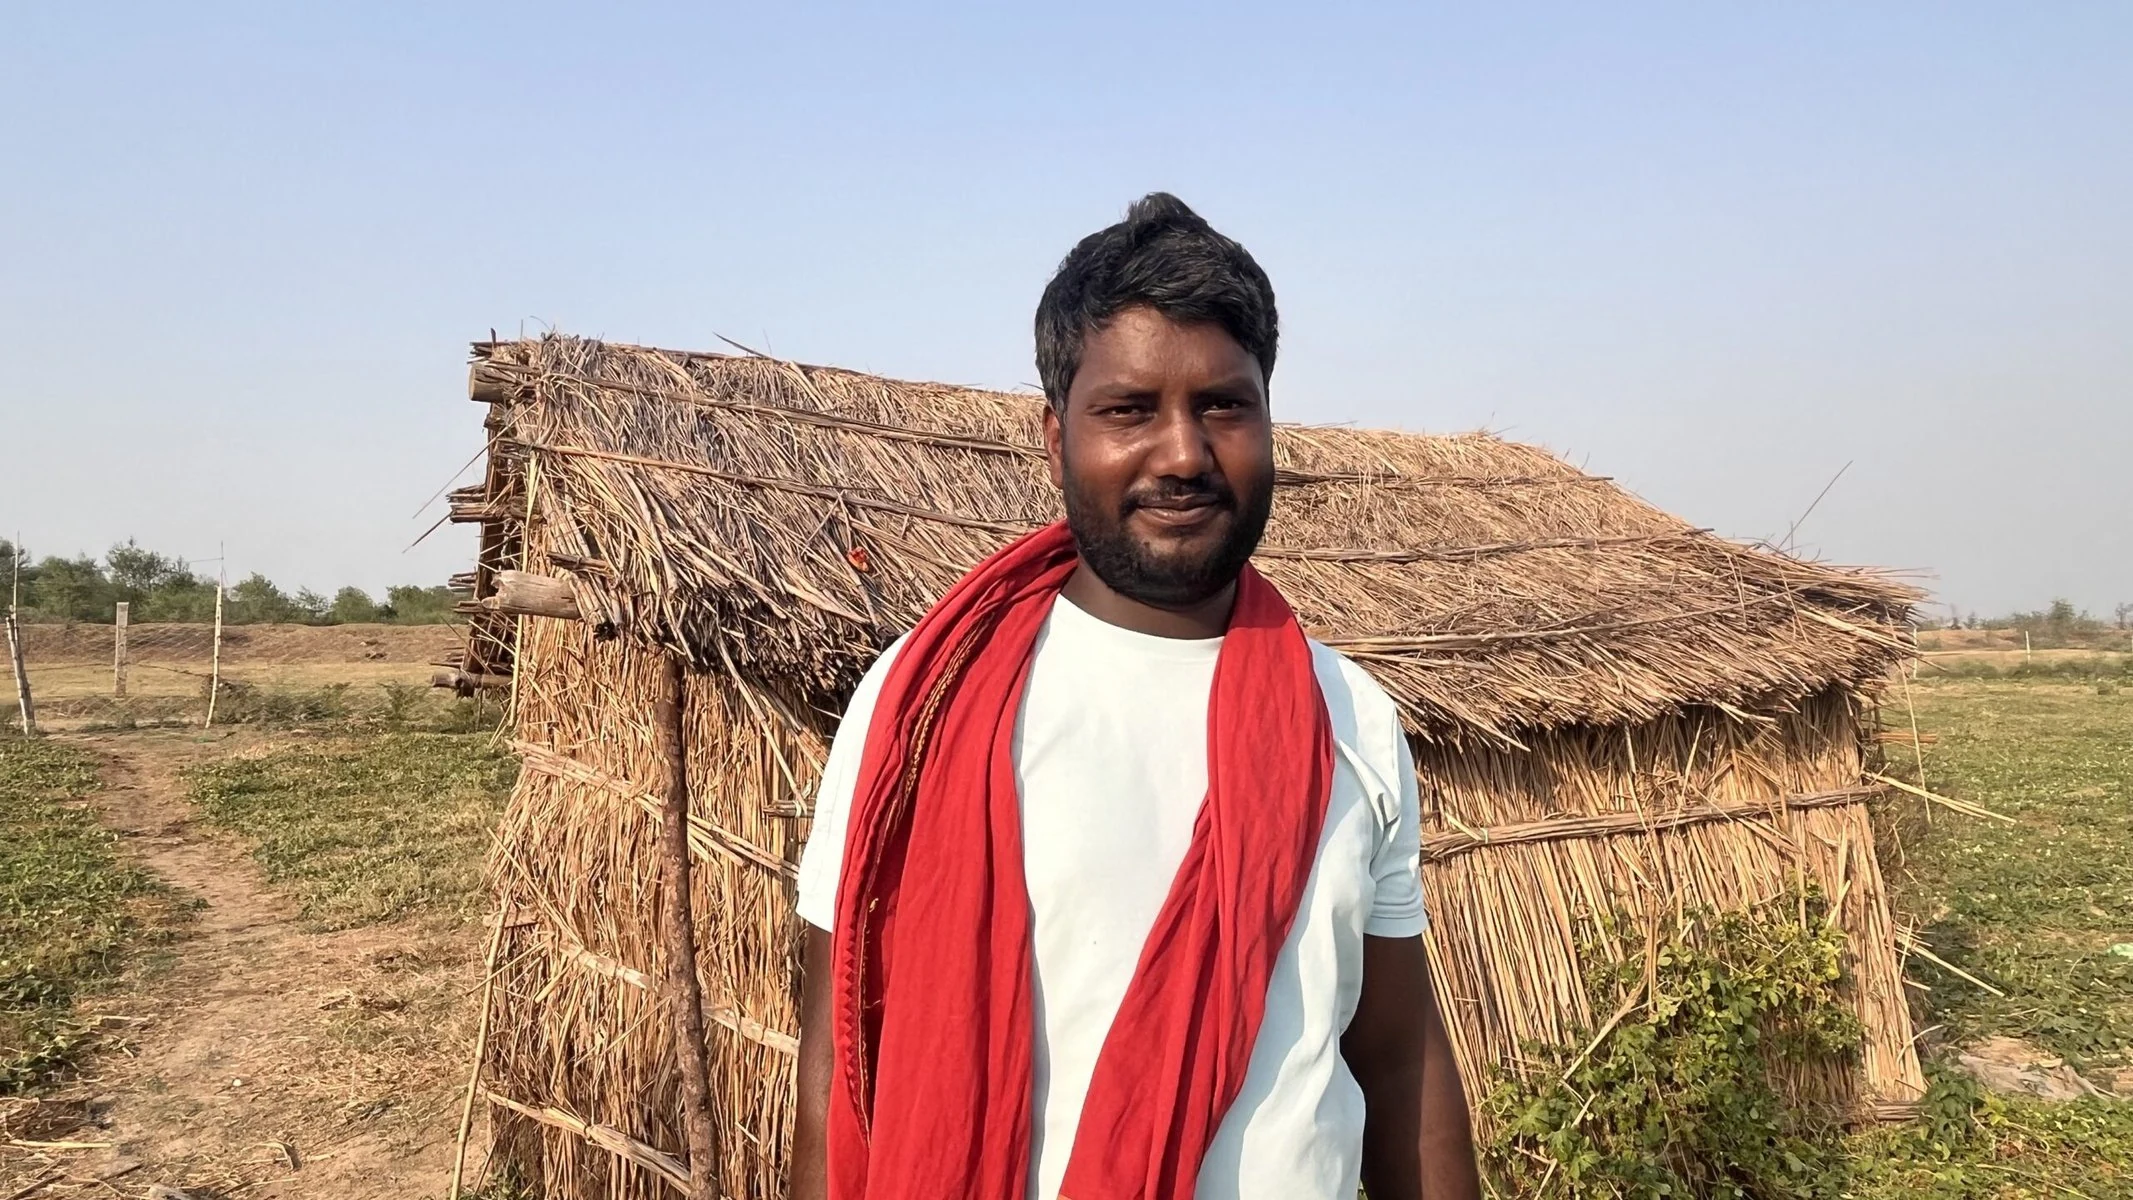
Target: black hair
x,y
1163,255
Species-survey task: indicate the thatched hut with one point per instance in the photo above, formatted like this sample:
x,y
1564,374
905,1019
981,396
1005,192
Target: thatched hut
x,y
687,560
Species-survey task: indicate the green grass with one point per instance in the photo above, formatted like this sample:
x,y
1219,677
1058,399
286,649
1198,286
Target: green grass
x,y
70,906
366,828
2034,909
1974,1146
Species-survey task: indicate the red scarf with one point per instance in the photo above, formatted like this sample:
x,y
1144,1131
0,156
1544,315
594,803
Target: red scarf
x,y
933,1038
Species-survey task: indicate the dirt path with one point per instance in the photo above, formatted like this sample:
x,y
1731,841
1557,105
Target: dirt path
x,y
254,1057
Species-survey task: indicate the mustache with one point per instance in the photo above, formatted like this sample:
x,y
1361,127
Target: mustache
x,y
1175,491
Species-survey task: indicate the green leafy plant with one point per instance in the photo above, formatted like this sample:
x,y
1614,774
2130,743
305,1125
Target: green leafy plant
x,y
401,700
1674,1094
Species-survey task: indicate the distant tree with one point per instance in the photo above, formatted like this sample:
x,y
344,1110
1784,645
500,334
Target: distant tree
x,y
352,606
311,608
412,604
15,566
256,600
135,572
163,587
160,587
2061,615
71,589
2124,613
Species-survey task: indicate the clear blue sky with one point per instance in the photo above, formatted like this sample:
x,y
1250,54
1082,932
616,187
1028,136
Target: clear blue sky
x,y
1715,251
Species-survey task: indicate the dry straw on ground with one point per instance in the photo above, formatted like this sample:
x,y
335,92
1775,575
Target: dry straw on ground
x,y
1612,712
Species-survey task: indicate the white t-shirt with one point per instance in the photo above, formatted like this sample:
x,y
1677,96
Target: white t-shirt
x,y
1111,762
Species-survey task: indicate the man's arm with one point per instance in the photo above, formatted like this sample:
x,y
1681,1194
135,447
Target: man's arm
x,y
1416,1141
810,1145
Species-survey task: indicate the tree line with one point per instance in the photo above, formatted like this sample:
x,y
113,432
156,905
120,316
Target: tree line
x,y
2057,626
164,587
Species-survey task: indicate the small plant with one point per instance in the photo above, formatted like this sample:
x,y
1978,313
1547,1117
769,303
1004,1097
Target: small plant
x,y
401,700
1674,1097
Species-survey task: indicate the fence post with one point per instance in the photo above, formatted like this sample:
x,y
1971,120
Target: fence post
x,y
22,676
118,652
214,669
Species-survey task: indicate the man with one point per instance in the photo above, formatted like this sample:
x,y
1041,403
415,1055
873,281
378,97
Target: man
x,y
1113,882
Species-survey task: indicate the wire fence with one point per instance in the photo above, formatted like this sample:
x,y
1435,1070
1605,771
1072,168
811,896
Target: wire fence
x,y
84,675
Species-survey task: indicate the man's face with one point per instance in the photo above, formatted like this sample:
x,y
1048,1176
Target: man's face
x,y
1164,452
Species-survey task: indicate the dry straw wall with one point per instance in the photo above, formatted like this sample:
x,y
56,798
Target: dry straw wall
x,y
1612,714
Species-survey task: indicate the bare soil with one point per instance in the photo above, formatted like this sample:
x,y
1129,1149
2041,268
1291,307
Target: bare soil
x,y
256,1058
148,642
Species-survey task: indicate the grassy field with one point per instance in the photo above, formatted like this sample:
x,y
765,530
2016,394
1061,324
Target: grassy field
x,y
366,828
2034,910
366,821
70,907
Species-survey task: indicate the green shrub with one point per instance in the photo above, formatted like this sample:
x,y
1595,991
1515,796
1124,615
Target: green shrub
x,y
402,699
1676,1097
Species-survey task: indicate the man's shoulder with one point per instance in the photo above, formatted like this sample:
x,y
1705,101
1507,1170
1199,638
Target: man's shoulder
x,y
861,703
1338,672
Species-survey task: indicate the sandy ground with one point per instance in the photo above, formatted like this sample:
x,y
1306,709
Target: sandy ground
x,y
256,1058
74,685
91,645
67,681
2008,660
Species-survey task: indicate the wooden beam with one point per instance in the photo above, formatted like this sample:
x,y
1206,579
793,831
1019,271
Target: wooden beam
x,y
525,594
488,383
678,921
466,683
477,513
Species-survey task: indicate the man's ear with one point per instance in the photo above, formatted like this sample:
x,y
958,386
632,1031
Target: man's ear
x,y
1054,442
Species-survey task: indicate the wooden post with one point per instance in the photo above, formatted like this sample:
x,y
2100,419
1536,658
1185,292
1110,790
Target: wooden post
x,y
214,667
481,1045
523,593
22,675
2025,648
118,651
684,990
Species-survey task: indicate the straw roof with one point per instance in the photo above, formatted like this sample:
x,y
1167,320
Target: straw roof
x,y
788,521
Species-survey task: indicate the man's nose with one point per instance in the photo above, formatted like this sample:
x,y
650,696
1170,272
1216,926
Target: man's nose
x,y
1181,447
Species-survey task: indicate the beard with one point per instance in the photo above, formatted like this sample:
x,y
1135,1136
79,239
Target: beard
x,y
1178,575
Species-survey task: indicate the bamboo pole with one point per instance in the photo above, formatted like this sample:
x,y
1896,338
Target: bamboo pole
x,y
214,670
481,1047
685,989
118,650
606,1137
14,640
1918,749
22,676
